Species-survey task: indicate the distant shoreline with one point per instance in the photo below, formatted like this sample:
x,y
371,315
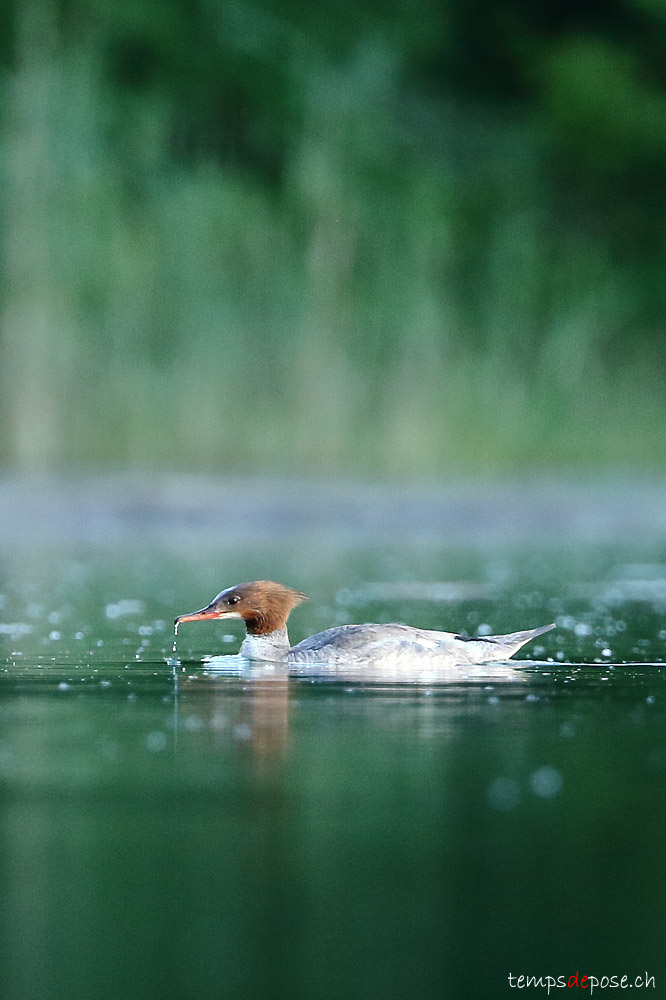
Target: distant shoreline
x,y
112,508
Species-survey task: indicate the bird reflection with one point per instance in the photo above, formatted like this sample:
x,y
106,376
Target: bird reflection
x,y
248,701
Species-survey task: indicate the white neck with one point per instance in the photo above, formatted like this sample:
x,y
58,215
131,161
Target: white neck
x,y
271,646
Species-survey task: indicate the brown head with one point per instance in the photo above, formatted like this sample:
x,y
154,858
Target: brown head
x,y
263,605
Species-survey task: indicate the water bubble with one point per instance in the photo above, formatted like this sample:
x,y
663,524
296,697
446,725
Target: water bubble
x,y
546,782
503,794
54,635
243,731
155,742
63,686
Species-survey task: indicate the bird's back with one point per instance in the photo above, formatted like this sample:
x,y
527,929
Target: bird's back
x,y
399,643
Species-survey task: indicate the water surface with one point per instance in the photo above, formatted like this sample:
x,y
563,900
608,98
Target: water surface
x,y
194,831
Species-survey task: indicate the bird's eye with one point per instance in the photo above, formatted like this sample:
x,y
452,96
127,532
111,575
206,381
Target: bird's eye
x,y
234,599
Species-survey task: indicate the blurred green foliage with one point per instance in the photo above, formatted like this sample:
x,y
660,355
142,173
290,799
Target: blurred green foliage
x,y
360,238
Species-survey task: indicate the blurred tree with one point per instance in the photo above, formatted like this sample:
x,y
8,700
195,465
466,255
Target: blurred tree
x,y
373,200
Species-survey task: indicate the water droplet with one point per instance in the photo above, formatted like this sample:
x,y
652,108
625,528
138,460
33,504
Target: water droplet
x,y
546,782
504,794
156,741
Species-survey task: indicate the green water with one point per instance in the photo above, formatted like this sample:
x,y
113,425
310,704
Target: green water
x,y
169,833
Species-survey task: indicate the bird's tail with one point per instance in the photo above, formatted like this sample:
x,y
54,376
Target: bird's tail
x,y
496,648
509,644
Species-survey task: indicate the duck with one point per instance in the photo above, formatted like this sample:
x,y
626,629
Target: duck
x,y
264,606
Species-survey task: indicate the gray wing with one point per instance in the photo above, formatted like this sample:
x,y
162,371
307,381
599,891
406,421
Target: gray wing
x,y
368,640
400,642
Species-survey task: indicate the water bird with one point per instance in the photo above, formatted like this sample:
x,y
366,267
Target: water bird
x,y
265,606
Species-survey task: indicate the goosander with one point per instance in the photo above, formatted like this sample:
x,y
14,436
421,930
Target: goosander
x,y
265,606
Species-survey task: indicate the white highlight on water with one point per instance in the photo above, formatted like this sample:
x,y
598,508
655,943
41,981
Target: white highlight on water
x,y
124,607
504,793
546,782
